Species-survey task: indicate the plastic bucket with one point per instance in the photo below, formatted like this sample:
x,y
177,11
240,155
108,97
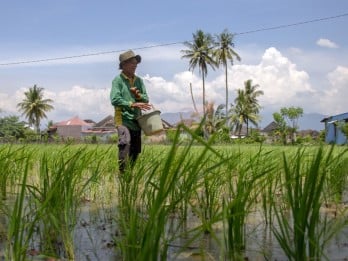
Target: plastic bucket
x,y
151,123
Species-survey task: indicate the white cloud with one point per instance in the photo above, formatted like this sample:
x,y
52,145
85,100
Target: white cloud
x,y
283,85
282,82
83,102
7,104
334,99
326,43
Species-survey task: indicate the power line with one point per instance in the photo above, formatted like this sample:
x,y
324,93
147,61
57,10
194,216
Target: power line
x,y
294,24
173,43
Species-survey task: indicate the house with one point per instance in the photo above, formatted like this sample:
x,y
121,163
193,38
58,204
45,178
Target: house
x,y
80,129
239,134
103,129
71,128
270,128
269,132
333,133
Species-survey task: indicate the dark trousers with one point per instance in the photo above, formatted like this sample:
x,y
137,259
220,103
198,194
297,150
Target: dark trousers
x,y
129,146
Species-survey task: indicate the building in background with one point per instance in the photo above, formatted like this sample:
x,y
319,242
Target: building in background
x,y
333,133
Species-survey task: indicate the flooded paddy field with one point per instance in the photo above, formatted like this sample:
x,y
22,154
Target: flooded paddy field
x,y
187,202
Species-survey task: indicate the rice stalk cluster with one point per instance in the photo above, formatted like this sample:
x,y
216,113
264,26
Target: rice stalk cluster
x,y
194,198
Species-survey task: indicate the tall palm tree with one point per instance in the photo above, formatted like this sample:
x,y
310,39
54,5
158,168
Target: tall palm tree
x,y
252,93
34,107
200,53
225,53
239,111
246,107
215,119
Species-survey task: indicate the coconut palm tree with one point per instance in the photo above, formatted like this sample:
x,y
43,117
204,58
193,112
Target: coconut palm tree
x,y
252,94
34,107
224,53
200,53
246,107
238,112
215,118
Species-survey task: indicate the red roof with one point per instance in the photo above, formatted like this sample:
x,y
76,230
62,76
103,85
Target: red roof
x,y
75,121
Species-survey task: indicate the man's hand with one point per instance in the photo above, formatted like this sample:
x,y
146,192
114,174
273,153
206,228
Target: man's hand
x,y
142,106
136,92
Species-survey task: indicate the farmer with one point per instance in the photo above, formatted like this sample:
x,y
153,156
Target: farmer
x,y
128,96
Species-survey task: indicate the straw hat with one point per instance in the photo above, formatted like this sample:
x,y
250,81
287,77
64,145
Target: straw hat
x,y
128,55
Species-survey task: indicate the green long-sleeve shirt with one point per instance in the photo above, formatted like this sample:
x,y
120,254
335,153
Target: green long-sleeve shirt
x,y
122,98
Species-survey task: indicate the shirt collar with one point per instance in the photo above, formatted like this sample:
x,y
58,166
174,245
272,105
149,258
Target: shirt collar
x,y
129,79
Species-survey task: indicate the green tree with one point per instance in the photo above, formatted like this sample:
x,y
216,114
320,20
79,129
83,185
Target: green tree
x,y
344,128
200,53
215,119
251,98
11,127
238,112
287,122
246,108
34,107
292,115
224,53
282,128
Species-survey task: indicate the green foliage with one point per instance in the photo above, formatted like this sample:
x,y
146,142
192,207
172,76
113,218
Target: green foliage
x,y
246,108
171,133
223,136
11,128
225,53
322,135
200,53
306,140
287,123
92,139
256,136
34,106
113,139
291,115
344,128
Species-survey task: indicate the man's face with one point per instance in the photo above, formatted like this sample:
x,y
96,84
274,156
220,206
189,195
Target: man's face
x,y
129,66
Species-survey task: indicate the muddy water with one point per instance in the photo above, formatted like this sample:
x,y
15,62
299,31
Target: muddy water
x,y
96,231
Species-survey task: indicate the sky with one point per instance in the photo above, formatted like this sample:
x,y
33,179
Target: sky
x,y
296,51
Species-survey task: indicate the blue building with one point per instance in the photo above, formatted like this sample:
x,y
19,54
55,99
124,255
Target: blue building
x,y
332,128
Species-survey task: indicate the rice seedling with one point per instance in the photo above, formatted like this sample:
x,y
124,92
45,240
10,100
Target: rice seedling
x,y
336,182
163,206
11,166
144,228
63,179
244,182
20,229
301,235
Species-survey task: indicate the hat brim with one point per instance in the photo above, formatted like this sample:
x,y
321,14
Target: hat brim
x,y
137,57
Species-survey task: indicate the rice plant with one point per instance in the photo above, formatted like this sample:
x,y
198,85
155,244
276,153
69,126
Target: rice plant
x,y
244,182
163,206
11,166
20,228
301,234
144,227
62,180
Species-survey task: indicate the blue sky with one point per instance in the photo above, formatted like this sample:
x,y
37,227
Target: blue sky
x,y
304,65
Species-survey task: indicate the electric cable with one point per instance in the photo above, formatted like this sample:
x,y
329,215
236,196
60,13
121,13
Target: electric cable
x,y
173,43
